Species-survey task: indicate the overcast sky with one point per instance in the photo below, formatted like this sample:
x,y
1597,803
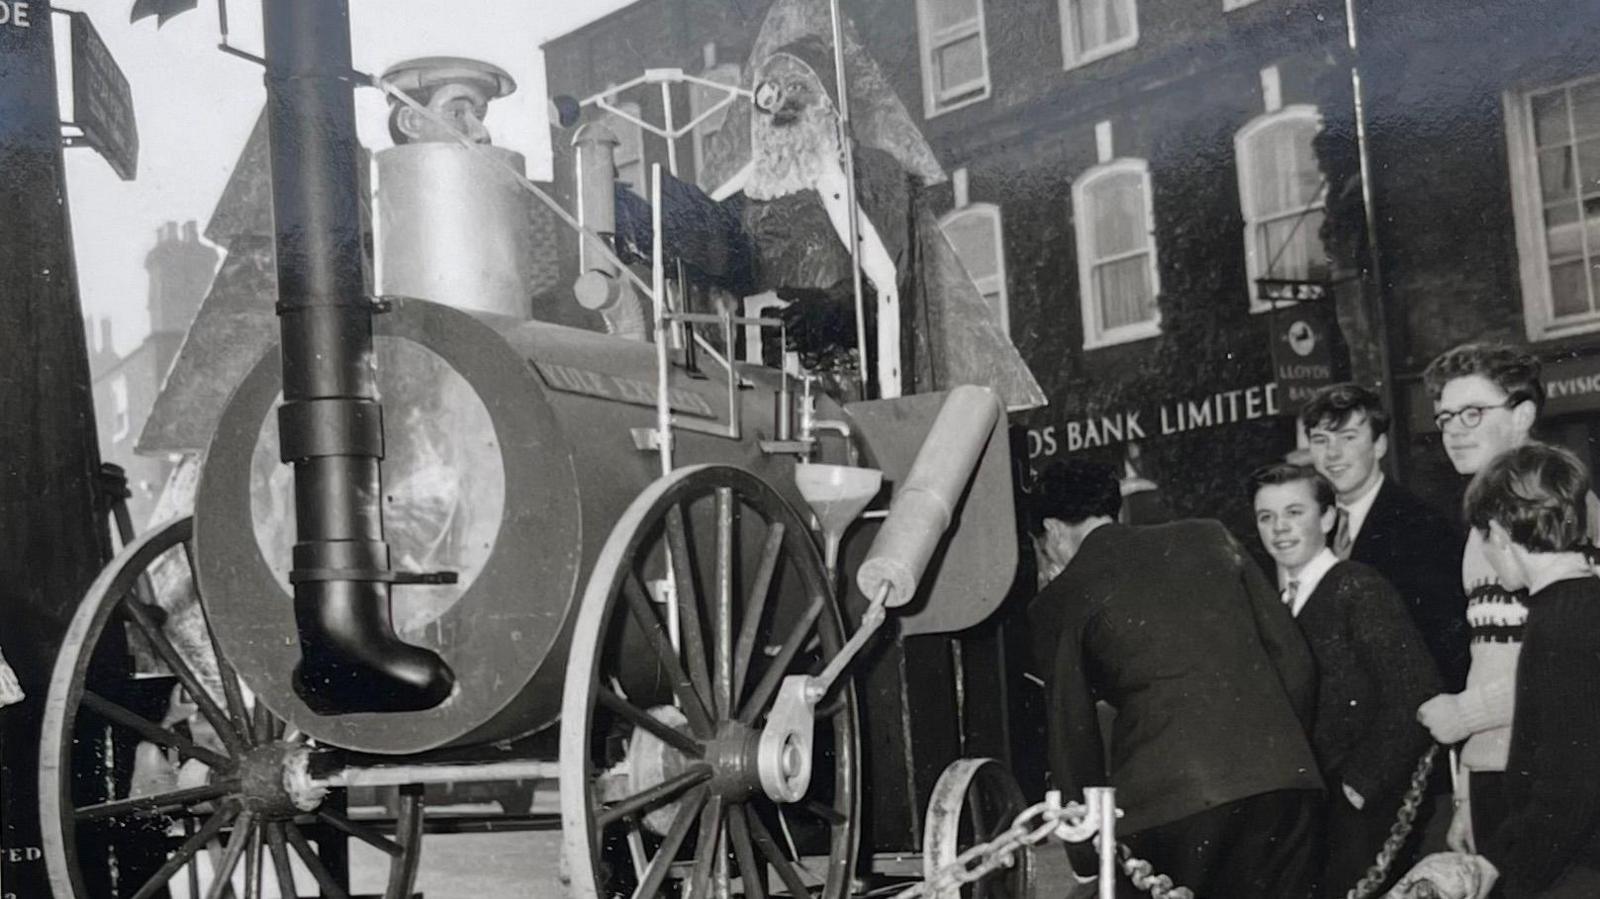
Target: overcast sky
x,y
195,105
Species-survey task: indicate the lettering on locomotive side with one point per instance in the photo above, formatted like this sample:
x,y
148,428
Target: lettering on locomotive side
x,y
14,14
615,387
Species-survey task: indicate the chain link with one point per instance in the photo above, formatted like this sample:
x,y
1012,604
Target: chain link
x,y
1399,831
1037,822
1030,828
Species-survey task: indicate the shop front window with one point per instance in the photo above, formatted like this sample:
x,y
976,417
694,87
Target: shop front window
x,y
1554,142
1282,194
1117,276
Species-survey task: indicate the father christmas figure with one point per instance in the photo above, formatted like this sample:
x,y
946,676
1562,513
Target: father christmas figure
x,y
787,231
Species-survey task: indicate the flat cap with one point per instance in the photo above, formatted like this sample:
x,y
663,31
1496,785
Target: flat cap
x,y
415,75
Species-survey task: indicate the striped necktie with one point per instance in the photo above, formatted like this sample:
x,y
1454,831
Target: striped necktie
x,y
1290,591
1342,540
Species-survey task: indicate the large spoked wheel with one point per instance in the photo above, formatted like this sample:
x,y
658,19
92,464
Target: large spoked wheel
x,y
974,802
661,792
160,775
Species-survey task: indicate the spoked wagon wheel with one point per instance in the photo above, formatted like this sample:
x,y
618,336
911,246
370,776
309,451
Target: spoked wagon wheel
x,y
974,802
661,790
160,775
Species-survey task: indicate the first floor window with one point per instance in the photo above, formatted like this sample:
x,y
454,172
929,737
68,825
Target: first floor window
x,y
1091,29
1116,252
975,233
1554,141
955,60
1282,194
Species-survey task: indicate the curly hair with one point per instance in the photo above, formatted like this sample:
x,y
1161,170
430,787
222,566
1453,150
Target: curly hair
x,y
1073,490
1332,406
1513,370
1537,492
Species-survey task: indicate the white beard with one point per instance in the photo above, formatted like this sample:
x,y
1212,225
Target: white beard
x,y
789,158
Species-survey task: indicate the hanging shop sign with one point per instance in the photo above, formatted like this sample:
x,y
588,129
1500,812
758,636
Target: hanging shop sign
x,y
1225,407
1302,351
1570,386
101,102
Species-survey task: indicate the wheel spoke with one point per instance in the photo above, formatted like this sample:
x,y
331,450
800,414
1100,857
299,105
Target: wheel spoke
x,y
722,620
230,678
313,862
252,866
202,698
263,725
243,830
661,792
153,732
694,644
771,553
769,848
643,719
185,853
705,852
762,695
744,852
656,873
280,859
694,705
827,813
156,803
361,832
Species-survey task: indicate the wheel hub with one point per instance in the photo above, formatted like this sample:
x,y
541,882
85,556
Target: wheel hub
x,y
274,780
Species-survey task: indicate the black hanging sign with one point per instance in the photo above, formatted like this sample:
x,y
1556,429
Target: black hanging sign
x,y
102,102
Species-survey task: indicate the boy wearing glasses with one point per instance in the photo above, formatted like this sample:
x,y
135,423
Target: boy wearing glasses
x,y
1486,398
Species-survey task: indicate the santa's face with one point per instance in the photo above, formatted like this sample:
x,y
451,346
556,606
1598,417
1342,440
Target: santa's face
x,y
786,89
794,133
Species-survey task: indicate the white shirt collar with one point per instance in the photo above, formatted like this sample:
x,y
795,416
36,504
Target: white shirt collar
x,y
1357,511
1309,577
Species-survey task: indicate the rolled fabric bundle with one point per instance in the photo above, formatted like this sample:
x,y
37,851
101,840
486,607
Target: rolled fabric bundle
x,y
10,691
1447,875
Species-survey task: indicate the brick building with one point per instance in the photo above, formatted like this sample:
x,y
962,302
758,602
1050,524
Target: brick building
x,y
125,387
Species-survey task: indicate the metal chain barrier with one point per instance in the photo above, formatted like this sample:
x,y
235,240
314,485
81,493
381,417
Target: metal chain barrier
x,y
1399,831
1030,828
1040,821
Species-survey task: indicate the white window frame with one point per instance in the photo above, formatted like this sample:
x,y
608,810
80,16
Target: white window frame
x,y
1538,310
1073,56
1244,164
995,283
121,410
1094,336
930,41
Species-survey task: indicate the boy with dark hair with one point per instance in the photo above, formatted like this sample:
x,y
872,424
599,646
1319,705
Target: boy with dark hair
x,y
1529,508
1175,628
1386,526
1374,669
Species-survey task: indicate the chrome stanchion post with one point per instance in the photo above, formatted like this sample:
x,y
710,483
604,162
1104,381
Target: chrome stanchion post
x,y
1103,808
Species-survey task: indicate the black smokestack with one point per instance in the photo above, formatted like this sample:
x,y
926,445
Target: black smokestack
x,y
331,423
